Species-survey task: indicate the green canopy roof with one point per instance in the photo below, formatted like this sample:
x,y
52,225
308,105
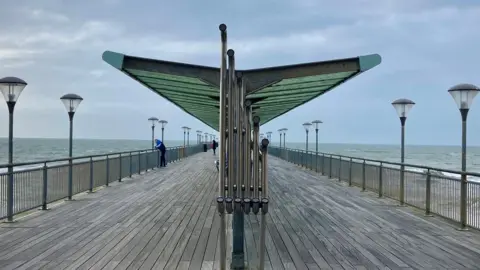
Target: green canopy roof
x,y
273,91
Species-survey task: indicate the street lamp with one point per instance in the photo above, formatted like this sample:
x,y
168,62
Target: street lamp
x,y
280,131
307,126
316,123
185,128
199,136
403,106
163,123
269,135
284,130
11,88
71,102
188,136
153,120
463,94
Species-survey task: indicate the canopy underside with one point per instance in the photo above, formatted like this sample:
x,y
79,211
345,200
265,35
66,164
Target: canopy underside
x,y
273,91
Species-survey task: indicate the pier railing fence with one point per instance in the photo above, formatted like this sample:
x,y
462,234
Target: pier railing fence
x,y
435,190
38,183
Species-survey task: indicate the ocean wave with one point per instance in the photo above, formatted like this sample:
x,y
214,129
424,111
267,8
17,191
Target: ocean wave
x,y
444,174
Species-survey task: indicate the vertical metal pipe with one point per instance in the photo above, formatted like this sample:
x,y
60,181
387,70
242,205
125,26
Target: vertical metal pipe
x,y
153,137
248,148
91,174
222,144
402,167
256,122
45,186
316,150
364,180
70,153
11,105
120,167
306,141
263,220
380,180
241,137
463,184
428,193
230,121
162,132
350,173
107,169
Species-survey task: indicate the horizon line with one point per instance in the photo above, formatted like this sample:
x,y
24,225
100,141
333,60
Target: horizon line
x,y
181,139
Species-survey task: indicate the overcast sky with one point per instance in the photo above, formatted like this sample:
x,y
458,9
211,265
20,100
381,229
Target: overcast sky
x,y
426,45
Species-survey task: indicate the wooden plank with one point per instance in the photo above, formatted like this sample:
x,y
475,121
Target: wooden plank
x,y
167,219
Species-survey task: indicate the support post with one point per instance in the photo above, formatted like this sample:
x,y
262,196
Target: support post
x,y
350,173
364,180
45,187
380,180
222,146
428,193
91,175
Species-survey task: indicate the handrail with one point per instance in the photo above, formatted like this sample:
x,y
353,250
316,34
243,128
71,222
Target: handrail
x,y
384,162
17,164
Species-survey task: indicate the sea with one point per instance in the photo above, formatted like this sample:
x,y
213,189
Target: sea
x,y
443,157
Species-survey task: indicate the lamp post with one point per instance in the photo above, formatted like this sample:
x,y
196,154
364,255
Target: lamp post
x,y
316,123
188,136
280,131
163,123
307,126
185,128
71,102
153,120
11,88
269,136
284,130
463,94
403,106
199,136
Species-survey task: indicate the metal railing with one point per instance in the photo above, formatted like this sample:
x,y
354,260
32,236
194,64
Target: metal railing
x,y
427,188
39,183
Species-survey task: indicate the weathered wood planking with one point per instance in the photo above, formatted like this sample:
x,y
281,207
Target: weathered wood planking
x,y
166,219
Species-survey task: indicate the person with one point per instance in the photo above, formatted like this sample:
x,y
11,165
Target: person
x,y
214,146
161,147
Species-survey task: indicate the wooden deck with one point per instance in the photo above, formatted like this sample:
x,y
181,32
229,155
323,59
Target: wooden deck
x,y
166,219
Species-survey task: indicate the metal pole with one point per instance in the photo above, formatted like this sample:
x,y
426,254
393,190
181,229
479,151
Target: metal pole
x,y
463,190
284,139
248,145
316,150
11,106
306,142
153,137
402,167
222,126
162,133
188,138
184,133
263,220
70,163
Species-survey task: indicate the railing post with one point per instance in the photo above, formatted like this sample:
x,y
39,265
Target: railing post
x,y
107,162
120,168
91,175
428,187
146,161
45,186
330,167
380,180
350,173
316,162
339,168
323,164
139,163
131,165
364,180
158,158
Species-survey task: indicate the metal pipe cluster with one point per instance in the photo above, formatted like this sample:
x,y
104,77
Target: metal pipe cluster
x,y
242,188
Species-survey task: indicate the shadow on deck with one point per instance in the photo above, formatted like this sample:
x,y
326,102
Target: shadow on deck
x,y
166,219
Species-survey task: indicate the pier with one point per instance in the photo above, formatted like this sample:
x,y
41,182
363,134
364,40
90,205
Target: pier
x,y
166,219
250,206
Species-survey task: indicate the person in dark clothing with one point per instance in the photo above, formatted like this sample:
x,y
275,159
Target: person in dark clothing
x,y
214,146
161,147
